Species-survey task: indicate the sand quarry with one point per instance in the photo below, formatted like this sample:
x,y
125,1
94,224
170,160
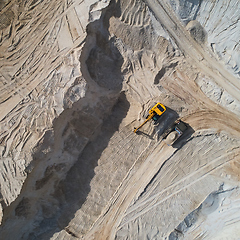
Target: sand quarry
x,y
76,77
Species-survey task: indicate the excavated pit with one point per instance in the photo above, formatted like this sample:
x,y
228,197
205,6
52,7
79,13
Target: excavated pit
x,y
76,78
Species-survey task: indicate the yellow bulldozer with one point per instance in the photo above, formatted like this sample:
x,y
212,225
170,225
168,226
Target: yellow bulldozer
x,y
154,113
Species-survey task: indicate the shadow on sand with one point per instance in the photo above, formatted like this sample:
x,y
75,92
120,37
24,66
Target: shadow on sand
x,y
56,210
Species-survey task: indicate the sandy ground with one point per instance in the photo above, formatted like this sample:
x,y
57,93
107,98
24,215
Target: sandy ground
x,y
76,78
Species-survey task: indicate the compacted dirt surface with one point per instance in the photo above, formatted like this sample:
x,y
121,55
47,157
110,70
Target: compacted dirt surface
x,y
76,77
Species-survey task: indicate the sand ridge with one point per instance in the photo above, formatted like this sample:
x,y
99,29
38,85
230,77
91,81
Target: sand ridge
x,y
77,77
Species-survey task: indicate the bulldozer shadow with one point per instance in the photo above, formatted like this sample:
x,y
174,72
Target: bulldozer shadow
x,y
165,125
187,135
139,132
164,122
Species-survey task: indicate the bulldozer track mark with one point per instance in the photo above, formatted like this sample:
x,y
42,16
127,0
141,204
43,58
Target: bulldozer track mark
x,y
113,216
154,200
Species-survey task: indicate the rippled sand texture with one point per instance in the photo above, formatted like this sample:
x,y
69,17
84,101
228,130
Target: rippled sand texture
x,y
76,77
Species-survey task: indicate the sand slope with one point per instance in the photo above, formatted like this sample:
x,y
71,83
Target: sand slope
x,y
76,78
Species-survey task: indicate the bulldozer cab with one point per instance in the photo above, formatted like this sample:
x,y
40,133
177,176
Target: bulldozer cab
x,y
159,109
